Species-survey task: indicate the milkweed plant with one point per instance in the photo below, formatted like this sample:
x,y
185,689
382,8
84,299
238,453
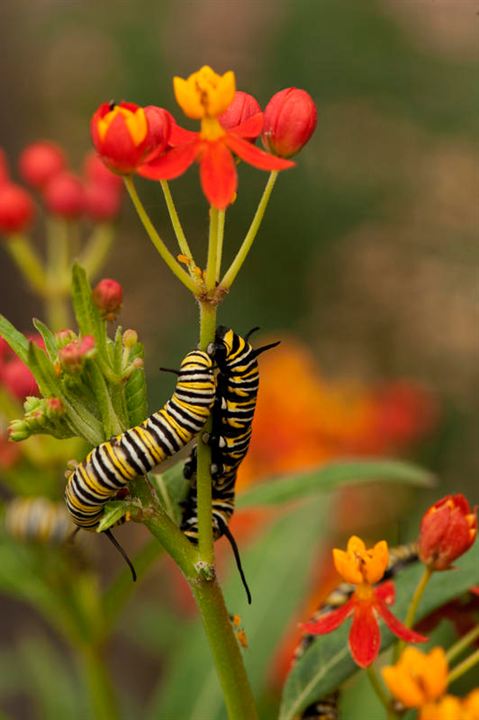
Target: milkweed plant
x,y
81,380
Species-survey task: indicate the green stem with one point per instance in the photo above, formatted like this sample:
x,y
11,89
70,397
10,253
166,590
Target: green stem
x,y
221,233
152,233
27,261
213,246
378,688
175,220
463,667
57,273
242,253
99,684
462,644
411,613
96,251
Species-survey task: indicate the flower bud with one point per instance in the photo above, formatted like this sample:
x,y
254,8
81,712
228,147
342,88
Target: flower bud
x,y
108,296
289,121
102,201
40,162
63,337
448,529
241,109
18,379
122,135
16,209
96,172
64,196
130,338
54,408
4,174
18,430
72,356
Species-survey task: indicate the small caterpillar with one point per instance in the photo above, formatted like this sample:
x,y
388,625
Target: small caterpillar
x,y
38,519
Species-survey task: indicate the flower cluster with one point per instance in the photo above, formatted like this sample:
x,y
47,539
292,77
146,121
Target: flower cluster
x,y
148,141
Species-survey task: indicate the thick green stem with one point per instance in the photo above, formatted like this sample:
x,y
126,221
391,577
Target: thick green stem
x,y
463,667
235,266
175,220
221,233
411,613
100,687
99,245
462,644
27,261
152,233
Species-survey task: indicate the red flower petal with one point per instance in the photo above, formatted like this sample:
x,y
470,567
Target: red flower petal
x,y
386,592
251,127
396,626
254,156
330,621
218,174
171,164
364,637
181,136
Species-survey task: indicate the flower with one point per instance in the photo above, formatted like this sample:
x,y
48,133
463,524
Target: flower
x,y
95,171
243,107
447,708
206,96
448,529
289,121
102,201
107,296
40,162
362,567
417,678
125,134
16,209
4,174
471,705
64,196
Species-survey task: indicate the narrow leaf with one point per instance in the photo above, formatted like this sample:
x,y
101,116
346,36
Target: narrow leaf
x,y
331,476
14,338
135,390
86,312
43,371
113,512
48,338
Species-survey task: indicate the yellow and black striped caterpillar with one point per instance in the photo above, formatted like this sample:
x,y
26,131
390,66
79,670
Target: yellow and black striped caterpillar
x,y
232,417
327,708
39,520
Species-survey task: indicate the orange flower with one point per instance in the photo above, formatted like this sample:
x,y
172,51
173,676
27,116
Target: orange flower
x,y
448,708
418,678
363,567
206,96
471,706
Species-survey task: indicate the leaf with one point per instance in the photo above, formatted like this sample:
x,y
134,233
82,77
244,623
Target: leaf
x,y
272,564
327,663
332,476
43,371
113,512
171,487
48,338
86,312
14,338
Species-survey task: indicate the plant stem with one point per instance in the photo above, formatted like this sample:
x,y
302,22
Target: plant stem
x,y
152,233
221,233
100,687
411,613
463,667
57,270
175,220
27,261
210,274
96,251
378,688
242,253
462,644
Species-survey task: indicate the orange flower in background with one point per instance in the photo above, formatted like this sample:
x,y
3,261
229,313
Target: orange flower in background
x,y
418,678
206,96
363,568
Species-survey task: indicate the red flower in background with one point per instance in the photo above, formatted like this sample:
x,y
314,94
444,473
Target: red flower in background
x,y
15,376
40,162
16,209
448,529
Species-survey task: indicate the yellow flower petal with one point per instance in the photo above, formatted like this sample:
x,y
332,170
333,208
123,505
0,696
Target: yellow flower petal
x,y
418,678
205,94
376,562
347,567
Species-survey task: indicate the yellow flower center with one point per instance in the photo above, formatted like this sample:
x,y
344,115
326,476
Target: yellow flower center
x,y
358,565
134,120
205,94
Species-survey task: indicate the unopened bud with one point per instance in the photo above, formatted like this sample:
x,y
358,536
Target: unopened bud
x,y
72,356
40,162
289,121
64,196
18,430
243,107
130,338
16,209
448,529
63,337
108,296
54,408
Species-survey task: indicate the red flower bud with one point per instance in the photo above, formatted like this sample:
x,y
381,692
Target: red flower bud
x,y
4,174
18,379
16,209
64,196
448,529
108,296
289,121
96,172
72,356
102,201
241,109
124,134
40,162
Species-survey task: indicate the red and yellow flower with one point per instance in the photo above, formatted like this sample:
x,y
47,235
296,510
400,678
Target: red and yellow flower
x,y
363,568
206,96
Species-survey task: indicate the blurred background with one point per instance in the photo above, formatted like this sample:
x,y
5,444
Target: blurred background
x,y
365,266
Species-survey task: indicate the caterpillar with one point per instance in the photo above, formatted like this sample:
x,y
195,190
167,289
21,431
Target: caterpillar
x,y
327,708
109,467
37,519
232,417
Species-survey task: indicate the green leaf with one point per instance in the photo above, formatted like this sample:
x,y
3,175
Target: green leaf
x,y
331,476
113,512
86,312
135,390
171,487
327,663
14,338
48,338
43,371
272,564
